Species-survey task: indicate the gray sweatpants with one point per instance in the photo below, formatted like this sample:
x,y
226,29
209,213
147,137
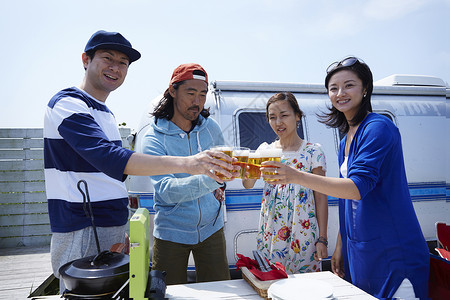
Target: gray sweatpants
x,y
73,245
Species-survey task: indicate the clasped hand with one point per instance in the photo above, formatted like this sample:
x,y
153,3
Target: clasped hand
x,y
213,163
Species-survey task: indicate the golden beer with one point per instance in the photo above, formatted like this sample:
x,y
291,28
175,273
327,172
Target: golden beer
x,y
241,154
254,163
270,155
228,150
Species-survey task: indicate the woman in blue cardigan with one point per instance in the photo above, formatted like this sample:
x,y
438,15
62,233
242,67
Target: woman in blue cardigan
x,y
380,247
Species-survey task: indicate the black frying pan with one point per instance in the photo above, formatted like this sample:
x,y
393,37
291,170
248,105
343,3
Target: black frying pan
x,y
103,273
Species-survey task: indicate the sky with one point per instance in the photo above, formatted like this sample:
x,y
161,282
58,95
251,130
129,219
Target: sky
x,y
250,40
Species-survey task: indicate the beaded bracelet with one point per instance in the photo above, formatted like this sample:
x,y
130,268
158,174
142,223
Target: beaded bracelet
x,y
322,240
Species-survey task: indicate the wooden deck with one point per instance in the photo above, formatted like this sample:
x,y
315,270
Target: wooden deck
x,y
23,270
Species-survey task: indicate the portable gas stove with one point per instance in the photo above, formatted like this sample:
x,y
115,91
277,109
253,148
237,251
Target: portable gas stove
x,y
143,284
139,254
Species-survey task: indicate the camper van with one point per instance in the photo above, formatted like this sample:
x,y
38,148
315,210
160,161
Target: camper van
x,y
418,105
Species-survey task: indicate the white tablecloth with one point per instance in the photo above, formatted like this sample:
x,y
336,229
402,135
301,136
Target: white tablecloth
x,y
240,289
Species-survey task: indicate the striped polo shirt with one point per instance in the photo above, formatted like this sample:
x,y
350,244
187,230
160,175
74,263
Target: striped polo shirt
x,y
82,142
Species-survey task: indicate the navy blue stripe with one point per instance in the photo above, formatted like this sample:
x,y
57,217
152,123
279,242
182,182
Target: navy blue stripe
x,y
243,206
423,198
66,216
427,191
240,200
83,134
61,156
76,93
447,189
83,138
245,192
421,185
332,201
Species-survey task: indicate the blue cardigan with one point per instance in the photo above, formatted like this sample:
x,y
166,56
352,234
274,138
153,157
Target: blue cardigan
x,y
381,236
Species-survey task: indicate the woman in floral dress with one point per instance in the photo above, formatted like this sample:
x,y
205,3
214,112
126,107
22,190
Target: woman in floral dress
x,y
293,219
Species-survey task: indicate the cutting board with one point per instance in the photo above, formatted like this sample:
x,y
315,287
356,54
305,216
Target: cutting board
x,y
259,286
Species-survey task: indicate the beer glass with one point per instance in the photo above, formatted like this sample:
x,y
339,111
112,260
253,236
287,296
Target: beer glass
x,y
270,155
228,150
254,163
241,154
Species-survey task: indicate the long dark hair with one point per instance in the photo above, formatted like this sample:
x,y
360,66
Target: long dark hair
x,y
336,119
164,109
285,96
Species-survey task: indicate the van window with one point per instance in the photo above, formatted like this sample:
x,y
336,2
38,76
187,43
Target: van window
x,y
253,129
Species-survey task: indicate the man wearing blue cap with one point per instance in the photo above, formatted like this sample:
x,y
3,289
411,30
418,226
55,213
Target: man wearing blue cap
x,y
82,142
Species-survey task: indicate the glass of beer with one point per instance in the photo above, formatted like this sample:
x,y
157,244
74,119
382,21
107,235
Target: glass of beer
x,y
270,155
254,163
228,150
241,154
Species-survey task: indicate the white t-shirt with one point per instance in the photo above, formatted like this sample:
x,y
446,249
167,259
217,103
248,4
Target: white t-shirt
x,y
343,168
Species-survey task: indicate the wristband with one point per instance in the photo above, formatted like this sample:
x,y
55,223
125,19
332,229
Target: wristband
x,y
322,240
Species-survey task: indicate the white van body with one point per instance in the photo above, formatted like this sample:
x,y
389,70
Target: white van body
x,y
418,105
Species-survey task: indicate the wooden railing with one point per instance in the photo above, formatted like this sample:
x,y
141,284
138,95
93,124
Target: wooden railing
x,y
23,205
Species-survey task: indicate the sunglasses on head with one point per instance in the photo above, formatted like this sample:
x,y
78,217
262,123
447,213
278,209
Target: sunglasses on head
x,y
346,62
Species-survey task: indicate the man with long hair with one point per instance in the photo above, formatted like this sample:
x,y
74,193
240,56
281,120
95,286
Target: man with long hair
x,y
188,216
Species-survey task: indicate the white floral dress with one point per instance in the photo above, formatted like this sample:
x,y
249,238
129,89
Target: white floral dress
x,y
288,225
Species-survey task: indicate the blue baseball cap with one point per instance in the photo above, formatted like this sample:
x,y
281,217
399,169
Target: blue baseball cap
x,y
113,41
